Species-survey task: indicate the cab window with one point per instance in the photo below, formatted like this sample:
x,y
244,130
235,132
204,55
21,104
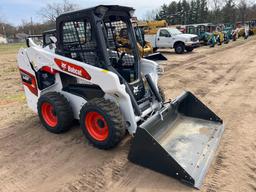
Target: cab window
x,y
79,42
164,33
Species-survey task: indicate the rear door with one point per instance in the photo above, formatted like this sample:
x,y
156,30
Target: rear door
x,y
163,39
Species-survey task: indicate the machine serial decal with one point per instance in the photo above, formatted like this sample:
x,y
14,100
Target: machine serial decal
x,y
72,68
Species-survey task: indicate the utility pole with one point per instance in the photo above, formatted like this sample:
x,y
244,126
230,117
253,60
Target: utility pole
x,y
31,26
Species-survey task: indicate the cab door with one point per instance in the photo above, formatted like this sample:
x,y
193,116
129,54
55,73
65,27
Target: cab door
x,y
164,38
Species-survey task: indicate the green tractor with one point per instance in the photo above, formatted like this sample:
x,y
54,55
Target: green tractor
x,y
205,34
226,29
228,32
202,30
191,29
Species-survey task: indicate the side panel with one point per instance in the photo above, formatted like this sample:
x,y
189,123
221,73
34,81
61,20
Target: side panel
x,y
172,41
163,42
28,79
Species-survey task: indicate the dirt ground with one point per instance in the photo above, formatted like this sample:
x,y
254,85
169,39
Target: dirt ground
x,y
32,159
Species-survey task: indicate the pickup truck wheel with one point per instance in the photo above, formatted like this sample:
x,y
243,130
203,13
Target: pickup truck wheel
x,y
189,49
179,48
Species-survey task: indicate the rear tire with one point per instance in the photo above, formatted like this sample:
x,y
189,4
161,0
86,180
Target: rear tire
x,y
189,49
55,112
102,123
179,48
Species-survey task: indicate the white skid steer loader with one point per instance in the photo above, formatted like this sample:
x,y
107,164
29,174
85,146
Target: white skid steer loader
x,y
83,73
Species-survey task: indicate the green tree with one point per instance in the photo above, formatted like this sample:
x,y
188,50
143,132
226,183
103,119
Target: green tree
x,y
172,10
179,13
185,12
163,14
192,12
229,12
243,10
197,11
203,11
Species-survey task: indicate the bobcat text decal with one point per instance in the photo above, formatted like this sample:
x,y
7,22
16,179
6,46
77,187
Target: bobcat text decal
x,y
72,68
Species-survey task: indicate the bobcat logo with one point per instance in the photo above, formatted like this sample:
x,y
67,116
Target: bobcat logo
x,y
136,90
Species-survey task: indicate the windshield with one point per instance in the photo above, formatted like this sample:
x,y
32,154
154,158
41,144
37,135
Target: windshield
x,y
174,31
122,54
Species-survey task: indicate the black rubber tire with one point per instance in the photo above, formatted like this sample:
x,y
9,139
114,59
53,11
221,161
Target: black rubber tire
x,y
179,48
162,94
189,49
113,117
62,110
212,45
219,42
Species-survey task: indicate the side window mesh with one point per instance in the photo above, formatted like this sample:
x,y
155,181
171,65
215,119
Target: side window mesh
x,y
78,42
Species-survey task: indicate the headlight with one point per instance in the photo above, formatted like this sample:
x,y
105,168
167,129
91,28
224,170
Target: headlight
x,y
194,39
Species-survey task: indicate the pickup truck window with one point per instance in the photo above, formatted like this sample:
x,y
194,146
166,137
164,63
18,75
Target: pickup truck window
x,y
164,33
174,31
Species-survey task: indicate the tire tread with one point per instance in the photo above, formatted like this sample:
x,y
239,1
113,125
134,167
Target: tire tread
x,y
114,114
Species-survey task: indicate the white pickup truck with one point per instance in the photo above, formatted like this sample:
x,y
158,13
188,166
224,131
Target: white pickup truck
x,y
173,38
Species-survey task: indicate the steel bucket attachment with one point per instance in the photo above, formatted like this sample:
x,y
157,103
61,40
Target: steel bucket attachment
x,y
180,140
156,57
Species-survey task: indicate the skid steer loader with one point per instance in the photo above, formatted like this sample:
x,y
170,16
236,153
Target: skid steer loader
x,y
83,74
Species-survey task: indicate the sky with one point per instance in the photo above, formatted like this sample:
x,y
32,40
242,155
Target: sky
x,y
14,11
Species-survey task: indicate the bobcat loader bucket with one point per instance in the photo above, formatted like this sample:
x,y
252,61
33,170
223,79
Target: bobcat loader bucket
x,y
156,57
180,140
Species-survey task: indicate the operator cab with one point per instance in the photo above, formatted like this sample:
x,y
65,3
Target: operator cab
x,y
94,36
100,36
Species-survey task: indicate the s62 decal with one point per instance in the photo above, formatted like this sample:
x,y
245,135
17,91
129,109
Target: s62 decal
x,y
29,81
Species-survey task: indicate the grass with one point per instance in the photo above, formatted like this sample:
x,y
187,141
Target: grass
x,y
11,47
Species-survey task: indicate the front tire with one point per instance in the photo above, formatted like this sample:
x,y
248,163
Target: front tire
x,y
179,48
189,49
102,123
55,112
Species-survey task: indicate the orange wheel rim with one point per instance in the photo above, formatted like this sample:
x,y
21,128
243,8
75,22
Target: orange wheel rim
x,y
96,126
48,114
